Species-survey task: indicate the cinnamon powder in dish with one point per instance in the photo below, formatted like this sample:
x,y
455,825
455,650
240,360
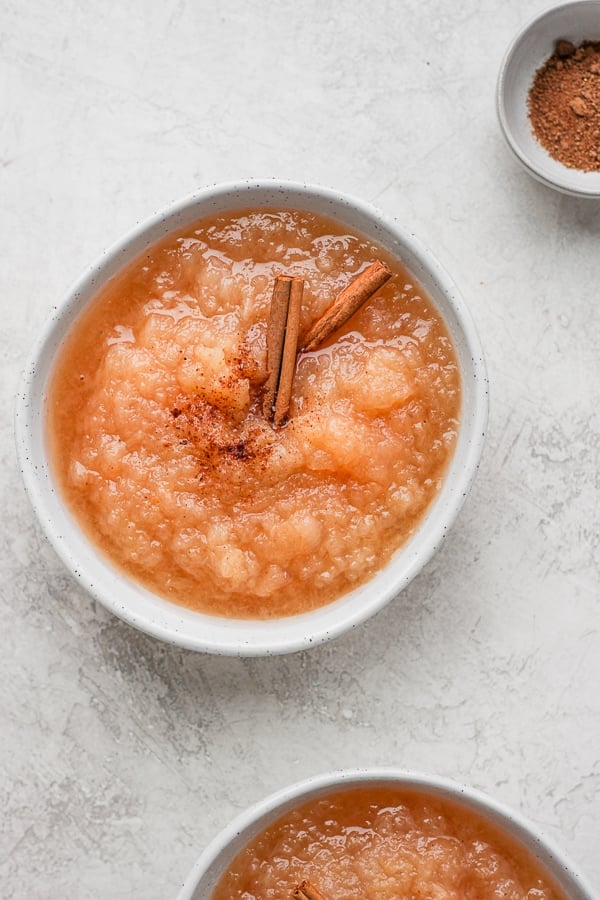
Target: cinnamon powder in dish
x,y
564,105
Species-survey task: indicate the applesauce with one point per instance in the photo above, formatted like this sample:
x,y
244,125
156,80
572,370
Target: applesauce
x,y
162,451
386,844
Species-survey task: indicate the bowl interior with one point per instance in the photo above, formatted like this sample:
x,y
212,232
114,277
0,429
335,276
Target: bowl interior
x,y
168,621
574,22
219,854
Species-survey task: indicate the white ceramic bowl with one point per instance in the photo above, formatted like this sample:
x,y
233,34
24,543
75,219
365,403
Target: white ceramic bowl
x,y
197,631
530,49
220,852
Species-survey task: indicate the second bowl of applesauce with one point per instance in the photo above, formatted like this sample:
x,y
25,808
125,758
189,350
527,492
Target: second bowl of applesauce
x,y
385,834
161,471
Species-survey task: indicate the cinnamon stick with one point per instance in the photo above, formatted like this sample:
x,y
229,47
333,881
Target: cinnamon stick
x,y
306,891
347,303
282,346
290,350
275,340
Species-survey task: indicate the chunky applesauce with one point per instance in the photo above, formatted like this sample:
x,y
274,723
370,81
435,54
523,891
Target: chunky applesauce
x,y
386,844
165,457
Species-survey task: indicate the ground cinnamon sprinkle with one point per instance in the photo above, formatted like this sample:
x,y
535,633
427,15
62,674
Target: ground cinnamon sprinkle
x,y
564,105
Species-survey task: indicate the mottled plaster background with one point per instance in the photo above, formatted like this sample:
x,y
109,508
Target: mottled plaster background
x,y
119,756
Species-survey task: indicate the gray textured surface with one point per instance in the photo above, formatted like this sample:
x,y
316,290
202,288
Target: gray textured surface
x,y
119,756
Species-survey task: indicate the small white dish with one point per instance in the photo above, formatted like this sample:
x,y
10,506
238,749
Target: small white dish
x,y
213,634
225,846
575,22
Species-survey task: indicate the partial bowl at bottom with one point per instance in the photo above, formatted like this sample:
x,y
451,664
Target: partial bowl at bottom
x,y
212,864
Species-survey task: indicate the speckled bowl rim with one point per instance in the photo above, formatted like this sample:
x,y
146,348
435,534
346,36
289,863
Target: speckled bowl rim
x,y
223,848
306,630
563,185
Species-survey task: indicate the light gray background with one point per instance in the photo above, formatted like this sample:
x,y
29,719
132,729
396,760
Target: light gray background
x,y
119,756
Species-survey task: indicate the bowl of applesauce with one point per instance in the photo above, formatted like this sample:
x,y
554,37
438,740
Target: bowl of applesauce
x,y
251,423
381,833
